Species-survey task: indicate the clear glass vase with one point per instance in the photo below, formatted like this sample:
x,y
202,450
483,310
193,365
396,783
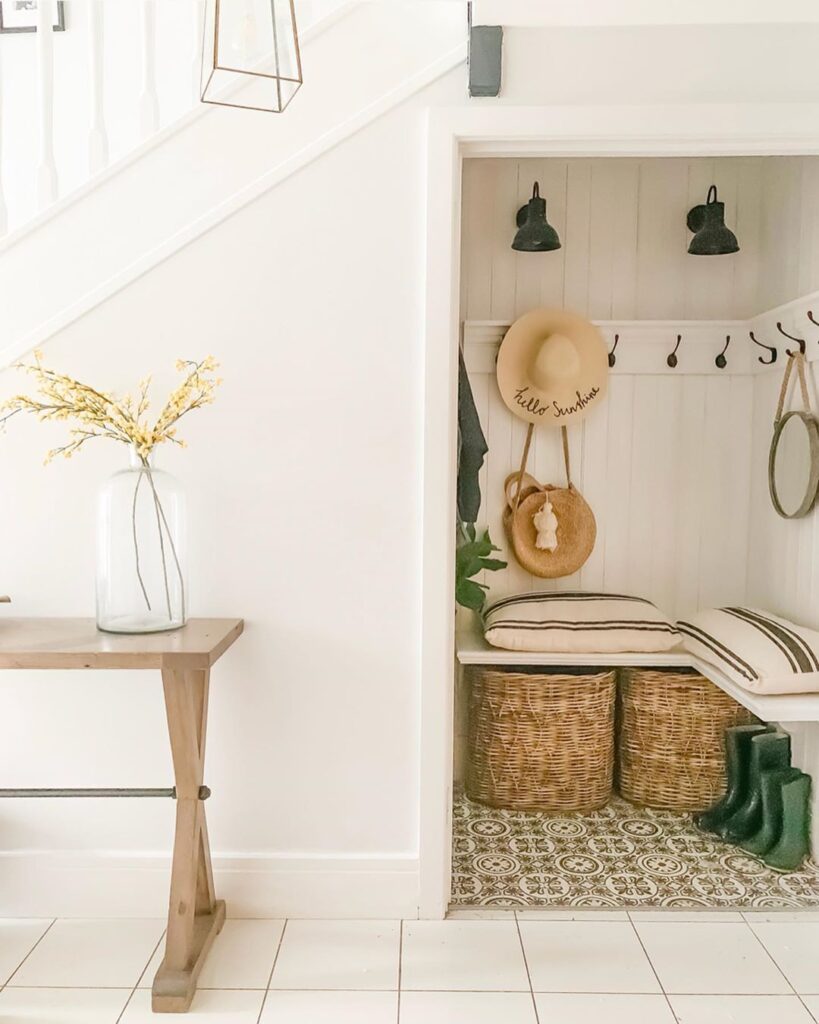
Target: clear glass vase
x,y
141,581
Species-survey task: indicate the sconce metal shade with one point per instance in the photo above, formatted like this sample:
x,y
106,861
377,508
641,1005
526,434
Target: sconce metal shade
x,y
250,54
535,233
711,236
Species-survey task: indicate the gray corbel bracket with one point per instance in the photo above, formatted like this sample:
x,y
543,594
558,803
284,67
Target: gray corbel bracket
x,y
485,60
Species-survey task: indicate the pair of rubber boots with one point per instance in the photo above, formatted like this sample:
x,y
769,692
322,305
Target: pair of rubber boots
x,y
766,807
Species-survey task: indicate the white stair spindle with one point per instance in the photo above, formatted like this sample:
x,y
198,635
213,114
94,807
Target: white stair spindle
x,y
98,137
148,101
196,62
47,188
4,220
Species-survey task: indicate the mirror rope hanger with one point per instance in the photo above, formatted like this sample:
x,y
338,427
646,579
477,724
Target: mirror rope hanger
x,y
811,427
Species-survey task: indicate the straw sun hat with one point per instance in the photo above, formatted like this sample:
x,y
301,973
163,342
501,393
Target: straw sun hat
x,y
552,367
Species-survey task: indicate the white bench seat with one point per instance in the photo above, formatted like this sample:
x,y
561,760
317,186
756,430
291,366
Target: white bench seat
x,y
472,649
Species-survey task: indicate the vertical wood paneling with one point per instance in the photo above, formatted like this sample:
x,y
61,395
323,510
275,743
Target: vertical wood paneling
x,y
664,463
576,239
689,495
625,240
662,240
504,258
666,434
675,468
643,483
624,192
618,482
594,489
748,217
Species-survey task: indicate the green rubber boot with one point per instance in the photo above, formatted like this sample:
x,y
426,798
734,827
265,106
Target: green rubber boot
x,y
768,751
794,844
771,828
737,761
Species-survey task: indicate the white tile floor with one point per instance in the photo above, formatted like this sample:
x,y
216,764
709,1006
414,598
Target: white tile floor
x,y
529,968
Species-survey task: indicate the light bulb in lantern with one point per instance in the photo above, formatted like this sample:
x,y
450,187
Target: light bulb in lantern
x,y
244,41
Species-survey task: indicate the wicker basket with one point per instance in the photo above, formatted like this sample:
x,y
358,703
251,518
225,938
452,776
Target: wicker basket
x,y
541,741
671,738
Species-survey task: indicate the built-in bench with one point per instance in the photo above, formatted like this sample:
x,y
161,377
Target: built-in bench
x,y
472,649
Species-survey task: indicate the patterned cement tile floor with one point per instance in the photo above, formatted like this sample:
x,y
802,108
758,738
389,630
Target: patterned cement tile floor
x,y
620,856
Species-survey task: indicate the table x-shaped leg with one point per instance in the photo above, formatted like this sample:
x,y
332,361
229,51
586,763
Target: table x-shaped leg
x,y
195,916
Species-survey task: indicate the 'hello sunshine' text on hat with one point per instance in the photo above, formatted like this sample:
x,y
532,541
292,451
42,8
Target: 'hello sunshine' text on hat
x,y
552,367
532,404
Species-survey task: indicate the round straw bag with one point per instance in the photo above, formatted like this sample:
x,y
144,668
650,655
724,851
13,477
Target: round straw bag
x,y
576,529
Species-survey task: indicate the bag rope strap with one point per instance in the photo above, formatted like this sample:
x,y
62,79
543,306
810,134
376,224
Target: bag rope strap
x,y
525,457
798,360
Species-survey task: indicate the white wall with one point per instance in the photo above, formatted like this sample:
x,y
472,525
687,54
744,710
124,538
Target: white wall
x,y
304,484
304,508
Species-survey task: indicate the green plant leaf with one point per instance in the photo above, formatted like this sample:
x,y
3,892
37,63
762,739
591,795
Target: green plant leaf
x,y
493,564
470,595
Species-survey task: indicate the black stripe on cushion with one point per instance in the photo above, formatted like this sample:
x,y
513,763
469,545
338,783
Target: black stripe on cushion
x,y
798,645
580,626
559,596
721,651
776,637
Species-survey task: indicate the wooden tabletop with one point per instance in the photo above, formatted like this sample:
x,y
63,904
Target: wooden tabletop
x,y
77,643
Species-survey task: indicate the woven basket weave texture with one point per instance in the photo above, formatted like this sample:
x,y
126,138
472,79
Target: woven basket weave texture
x,y
541,741
671,729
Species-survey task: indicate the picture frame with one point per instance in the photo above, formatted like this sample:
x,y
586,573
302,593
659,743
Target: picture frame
x,y
21,16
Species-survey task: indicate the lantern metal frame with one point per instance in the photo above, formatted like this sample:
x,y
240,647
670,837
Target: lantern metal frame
x,y
277,78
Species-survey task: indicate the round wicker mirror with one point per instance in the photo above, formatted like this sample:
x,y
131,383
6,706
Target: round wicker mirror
x,y
793,464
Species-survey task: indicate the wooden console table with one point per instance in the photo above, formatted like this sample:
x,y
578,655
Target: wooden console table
x,y
184,657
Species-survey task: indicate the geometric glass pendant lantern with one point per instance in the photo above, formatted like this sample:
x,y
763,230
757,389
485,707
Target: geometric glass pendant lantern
x,y
250,54
535,233
711,236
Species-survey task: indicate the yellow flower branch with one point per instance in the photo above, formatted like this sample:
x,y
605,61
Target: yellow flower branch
x,y
100,414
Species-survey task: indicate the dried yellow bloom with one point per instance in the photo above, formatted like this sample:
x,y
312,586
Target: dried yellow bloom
x,y
101,414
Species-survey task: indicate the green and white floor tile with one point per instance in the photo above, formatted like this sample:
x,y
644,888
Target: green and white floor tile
x,y
620,856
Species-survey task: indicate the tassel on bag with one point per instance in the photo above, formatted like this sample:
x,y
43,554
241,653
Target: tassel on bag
x,y
545,522
539,520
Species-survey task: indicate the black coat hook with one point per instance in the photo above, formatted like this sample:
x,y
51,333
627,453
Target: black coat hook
x,y
721,361
612,356
672,358
770,348
811,318
799,341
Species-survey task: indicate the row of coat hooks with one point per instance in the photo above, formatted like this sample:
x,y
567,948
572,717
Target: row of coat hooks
x,y
721,361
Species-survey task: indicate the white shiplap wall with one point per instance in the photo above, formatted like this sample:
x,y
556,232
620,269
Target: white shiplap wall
x,y
666,472
666,461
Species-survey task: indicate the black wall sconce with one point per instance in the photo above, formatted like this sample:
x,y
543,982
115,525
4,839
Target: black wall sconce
x,y
535,233
711,236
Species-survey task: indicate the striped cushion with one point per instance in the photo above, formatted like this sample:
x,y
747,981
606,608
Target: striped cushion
x,y
578,623
757,650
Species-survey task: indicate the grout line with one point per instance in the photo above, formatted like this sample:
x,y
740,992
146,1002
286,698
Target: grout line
x,y
272,969
768,953
653,968
36,944
400,968
526,965
141,975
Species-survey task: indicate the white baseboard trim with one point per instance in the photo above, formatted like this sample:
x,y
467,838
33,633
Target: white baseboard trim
x,y
112,884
